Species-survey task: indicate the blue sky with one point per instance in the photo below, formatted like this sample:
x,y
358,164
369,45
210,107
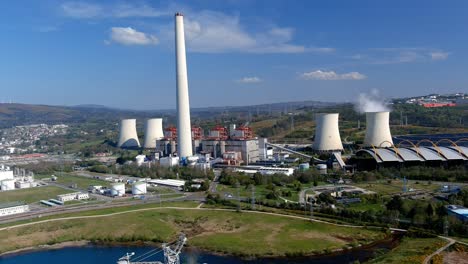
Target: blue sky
x,y
120,53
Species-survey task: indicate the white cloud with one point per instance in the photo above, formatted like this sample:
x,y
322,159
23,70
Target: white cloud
x,y
439,55
130,36
332,76
81,9
206,31
250,80
404,55
215,32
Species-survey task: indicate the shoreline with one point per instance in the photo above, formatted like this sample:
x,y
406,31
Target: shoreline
x,y
87,243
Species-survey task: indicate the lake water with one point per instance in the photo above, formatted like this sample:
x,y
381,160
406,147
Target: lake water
x,y
102,254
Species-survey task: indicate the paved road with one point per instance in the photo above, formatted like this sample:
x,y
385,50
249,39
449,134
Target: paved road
x,y
438,251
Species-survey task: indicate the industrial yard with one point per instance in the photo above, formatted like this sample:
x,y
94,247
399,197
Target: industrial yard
x,y
367,179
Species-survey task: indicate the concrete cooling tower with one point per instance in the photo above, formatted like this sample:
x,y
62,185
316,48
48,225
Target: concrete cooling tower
x,y
327,135
184,129
128,137
153,132
378,130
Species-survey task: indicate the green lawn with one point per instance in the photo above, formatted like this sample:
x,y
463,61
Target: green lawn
x,y
32,195
260,192
396,186
216,231
366,207
81,181
411,250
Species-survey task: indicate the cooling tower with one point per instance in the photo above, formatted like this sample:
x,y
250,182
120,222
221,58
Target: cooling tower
x,y
378,130
327,135
153,132
128,137
184,133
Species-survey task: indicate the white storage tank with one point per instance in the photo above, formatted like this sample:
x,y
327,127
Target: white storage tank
x,y
7,185
304,166
322,168
118,189
139,188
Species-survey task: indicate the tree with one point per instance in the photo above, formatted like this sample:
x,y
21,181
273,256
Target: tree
x,y
395,203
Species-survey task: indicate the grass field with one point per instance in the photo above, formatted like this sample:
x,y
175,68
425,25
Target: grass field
x,y
260,192
411,250
216,231
396,186
32,195
366,207
80,181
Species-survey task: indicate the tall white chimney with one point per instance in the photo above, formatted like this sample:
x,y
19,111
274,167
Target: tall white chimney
x,y
184,131
378,130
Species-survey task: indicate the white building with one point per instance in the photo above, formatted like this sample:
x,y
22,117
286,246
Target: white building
x,y
6,173
13,208
168,182
72,196
265,170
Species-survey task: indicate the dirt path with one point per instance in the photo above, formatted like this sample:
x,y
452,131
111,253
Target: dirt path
x,y
438,251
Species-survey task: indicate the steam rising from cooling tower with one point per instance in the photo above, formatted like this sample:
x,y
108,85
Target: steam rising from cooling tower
x,y
378,130
153,132
128,137
327,134
370,103
184,130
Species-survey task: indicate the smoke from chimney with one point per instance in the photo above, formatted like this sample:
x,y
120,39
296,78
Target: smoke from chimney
x,y
371,102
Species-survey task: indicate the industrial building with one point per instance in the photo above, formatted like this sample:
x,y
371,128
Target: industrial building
x,y
153,132
72,196
414,155
459,212
327,134
13,208
5,173
168,182
128,137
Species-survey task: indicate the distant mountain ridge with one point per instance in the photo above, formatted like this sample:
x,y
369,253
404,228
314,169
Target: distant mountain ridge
x,y
13,114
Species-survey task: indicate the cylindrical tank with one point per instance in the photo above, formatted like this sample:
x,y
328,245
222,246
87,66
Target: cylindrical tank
x,y
118,189
184,129
153,132
378,130
327,134
322,168
7,185
128,137
139,188
304,166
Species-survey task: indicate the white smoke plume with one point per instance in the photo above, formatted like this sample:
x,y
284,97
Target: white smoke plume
x,y
371,102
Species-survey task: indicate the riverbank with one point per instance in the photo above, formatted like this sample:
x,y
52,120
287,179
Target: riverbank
x,y
360,253
222,232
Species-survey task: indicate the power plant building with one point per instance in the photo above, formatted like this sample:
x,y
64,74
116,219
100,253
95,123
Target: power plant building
x,y
327,134
184,133
13,208
378,130
128,137
153,132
